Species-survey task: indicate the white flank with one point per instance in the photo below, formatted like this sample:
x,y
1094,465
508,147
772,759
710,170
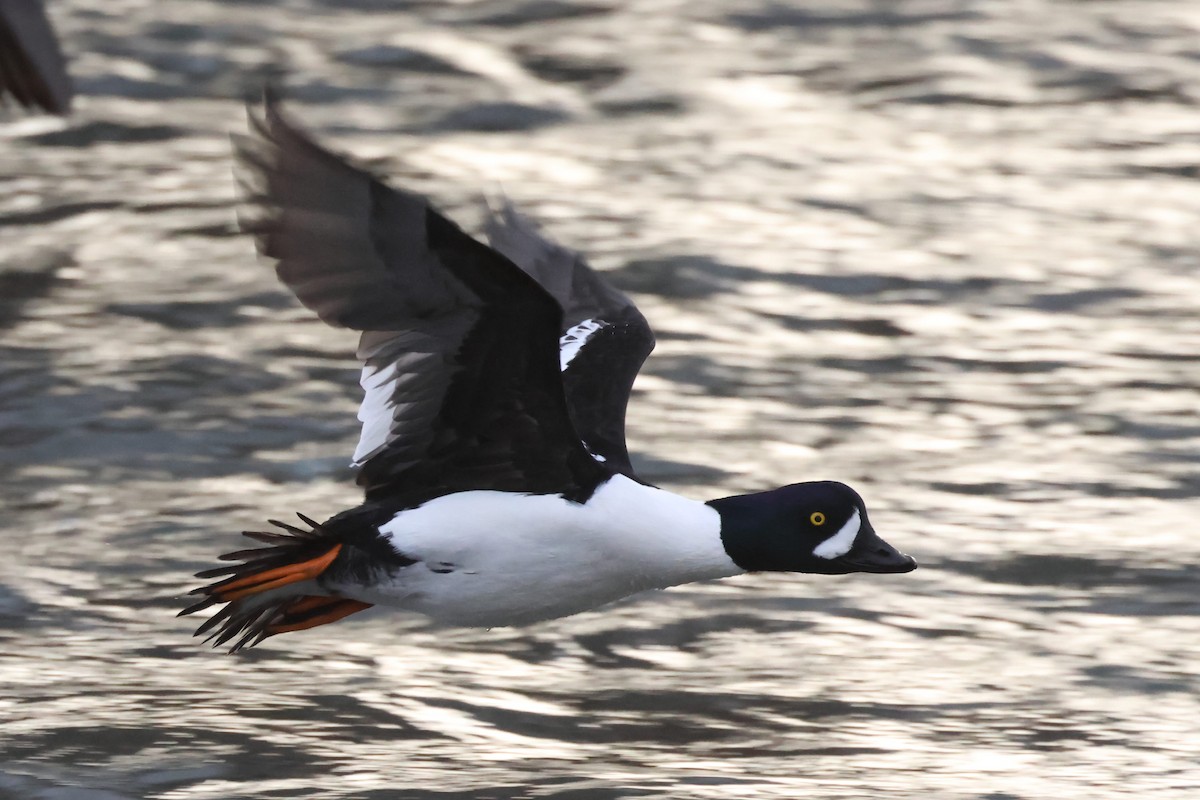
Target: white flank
x,y
519,558
576,337
840,543
375,413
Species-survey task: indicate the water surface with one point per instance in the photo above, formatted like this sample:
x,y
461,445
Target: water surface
x,y
944,251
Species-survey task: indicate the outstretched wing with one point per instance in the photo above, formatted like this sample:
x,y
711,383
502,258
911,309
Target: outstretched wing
x,y
32,69
460,346
604,339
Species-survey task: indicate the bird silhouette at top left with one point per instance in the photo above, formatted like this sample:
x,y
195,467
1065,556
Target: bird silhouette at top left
x,y
33,71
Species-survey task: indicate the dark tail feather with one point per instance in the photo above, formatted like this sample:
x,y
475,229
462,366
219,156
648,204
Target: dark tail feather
x,y
254,610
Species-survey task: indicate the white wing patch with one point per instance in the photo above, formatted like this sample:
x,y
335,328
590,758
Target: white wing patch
x,y
840,543
570,343
375,413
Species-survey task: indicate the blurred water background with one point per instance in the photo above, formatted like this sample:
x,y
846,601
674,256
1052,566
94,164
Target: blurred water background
x,y
944,250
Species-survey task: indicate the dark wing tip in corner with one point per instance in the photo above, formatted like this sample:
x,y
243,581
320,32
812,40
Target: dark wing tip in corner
x,y
32,68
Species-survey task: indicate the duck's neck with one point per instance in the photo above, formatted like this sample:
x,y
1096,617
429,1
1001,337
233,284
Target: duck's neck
x,y
751,531
671,536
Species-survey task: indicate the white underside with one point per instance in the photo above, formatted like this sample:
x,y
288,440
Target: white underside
x,y
513,559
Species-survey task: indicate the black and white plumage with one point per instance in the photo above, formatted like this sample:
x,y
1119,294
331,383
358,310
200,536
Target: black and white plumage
x,y
498,487
33,71
461,362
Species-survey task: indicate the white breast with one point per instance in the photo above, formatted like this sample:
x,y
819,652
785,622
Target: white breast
x,y
500,558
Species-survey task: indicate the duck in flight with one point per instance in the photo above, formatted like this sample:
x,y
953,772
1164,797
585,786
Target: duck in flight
x,y
32,69
498,487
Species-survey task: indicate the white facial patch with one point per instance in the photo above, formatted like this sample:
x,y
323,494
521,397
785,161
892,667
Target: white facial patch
x,y
570,342
840,543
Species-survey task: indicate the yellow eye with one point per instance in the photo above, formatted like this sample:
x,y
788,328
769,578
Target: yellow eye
x,y
817,518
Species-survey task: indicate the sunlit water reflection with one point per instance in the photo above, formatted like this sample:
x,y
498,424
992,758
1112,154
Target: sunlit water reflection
x,y
942,251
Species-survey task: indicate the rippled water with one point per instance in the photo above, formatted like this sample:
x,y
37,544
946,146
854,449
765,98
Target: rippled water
x,y
945,251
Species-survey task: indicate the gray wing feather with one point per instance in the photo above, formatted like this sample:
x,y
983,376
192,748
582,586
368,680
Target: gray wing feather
x,y
459,345
333,230
580,290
